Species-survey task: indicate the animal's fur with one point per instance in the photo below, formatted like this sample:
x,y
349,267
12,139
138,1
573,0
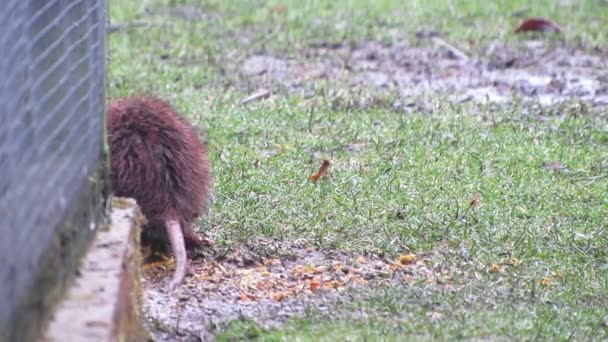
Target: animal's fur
x,y
158,159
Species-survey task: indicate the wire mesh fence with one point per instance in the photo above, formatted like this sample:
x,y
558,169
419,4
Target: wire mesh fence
x,y
51,110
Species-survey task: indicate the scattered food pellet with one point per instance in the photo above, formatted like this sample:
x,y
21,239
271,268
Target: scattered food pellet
x,y
407,259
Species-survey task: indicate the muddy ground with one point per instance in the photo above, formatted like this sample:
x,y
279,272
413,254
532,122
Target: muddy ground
x,y
270,289
267,290
542,71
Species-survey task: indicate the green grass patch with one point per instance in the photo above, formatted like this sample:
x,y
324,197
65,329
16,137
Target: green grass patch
x,y
292,24
398,181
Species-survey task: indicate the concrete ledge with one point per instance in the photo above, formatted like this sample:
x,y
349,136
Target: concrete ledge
x,y
104,302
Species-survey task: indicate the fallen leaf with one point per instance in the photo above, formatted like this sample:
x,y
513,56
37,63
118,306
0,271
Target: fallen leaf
x,y
474,202
407,259
546,281
324,166
537,24
494,268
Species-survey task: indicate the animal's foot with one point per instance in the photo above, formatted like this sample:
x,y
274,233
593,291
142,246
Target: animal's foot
x,y
194,240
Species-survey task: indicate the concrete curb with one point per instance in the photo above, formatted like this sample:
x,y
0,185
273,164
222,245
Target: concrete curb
x,y
104,302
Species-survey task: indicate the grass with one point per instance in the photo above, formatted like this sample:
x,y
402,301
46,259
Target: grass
x,y
291,24
399,181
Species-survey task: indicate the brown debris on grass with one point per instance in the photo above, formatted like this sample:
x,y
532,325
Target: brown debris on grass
x,y
279,280
268,290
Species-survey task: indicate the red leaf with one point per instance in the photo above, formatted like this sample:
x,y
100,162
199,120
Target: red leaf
x,y
321,171
537,24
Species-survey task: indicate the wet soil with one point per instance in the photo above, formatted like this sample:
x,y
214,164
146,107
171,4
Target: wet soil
x,y
265,290
542,71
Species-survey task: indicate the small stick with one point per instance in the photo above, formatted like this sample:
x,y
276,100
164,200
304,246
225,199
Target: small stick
x,y
592,178
455,51
260,94
124,26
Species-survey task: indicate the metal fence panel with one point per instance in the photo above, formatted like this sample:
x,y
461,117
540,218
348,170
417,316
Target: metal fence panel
x,y
52,65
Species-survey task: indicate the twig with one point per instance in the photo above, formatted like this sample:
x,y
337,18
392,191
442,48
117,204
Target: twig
x,y
592,178
455,51
260,94
124,26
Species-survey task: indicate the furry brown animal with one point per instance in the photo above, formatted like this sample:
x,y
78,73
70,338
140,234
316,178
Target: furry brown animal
x,y
158,159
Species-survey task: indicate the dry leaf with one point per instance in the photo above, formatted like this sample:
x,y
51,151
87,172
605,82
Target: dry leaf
x,y
546,281
537,24
474,202
494,268
324,166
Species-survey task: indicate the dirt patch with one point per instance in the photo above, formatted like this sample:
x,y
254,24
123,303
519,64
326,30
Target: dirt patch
x,y
266,290
542,71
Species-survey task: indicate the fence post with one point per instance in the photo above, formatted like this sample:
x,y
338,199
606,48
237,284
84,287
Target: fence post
x,y
53,173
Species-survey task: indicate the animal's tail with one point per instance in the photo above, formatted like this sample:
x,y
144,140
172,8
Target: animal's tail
x,y
178,247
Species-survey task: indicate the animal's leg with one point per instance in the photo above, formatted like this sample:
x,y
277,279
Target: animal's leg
x,y
178,246
194,240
